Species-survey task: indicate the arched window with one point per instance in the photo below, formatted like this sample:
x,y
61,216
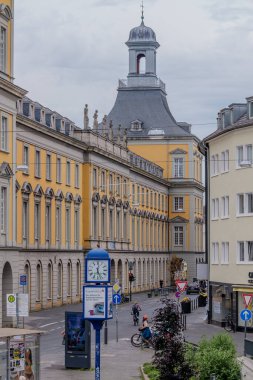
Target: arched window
x,y
49,280
78,278
141,64
59,288
38,282
69,279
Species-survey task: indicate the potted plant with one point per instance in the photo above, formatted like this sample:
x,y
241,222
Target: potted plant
x,y
186,305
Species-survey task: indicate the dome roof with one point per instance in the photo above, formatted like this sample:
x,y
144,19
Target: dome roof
x,y
142,33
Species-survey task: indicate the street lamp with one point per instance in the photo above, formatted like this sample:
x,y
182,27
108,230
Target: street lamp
x,y
130,277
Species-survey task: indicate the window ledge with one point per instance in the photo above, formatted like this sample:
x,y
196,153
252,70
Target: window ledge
x,y
49,179
215,175
242,215
60,182
224,217
224,263
4,150
214,219
37,176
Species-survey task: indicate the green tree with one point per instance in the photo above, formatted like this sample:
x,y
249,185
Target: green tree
x,y
170,349
217,356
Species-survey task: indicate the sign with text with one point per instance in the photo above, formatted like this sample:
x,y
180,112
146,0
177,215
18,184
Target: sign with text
x,y
23,305
23,280
11,301
97,302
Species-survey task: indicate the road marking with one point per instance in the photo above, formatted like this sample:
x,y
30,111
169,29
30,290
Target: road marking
x,y
49,324
125,339
63,320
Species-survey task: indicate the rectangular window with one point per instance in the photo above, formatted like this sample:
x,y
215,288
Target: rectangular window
x,y
125,236
215,253
118,226
159,201
68,174
26,157
138,194
244,155
95,179
178,203
142,196
213,165
48,167
48,223
68,226
25,221
3,210
178,167
76,175
133,193
225,207
95,222
111,183
37,221
251,109
125,187
151,198
111,226
225,161
249,201
216,164
118,186
3,49
155,200
76,228
215,208
37,163
103,224
250,250
133,231
147,199
240,198
58,170
4,133
103,181
179,236
58,225
225,253
241,251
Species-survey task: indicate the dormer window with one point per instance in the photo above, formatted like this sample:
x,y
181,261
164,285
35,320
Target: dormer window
x,y
136,125
251,109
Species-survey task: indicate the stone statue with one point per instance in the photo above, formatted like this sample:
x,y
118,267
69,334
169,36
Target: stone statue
x,y
125,138
119,135
85,117
95,122
110,130
104,121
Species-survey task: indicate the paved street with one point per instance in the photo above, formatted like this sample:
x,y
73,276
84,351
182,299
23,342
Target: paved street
x,y
119,360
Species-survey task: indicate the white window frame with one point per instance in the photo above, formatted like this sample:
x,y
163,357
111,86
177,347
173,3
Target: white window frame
x,y
103,180
215,208
178,167
251,110
245,200
245,246
68,173
58,169
48,166
225,207
179,203
225,253
77,176
26,157
37,163
215,253
244,159
224,167
3,208
3,47
4,133
178,236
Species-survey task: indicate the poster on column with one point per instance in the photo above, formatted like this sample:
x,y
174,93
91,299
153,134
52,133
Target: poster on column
x,y
94,302
110,304
23,307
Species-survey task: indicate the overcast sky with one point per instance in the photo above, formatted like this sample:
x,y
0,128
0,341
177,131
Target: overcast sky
x,y
68,53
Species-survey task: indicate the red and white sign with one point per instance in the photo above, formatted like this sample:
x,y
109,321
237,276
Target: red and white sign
x,y
181,286
247,298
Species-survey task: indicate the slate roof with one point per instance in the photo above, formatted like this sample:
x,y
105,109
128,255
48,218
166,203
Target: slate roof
x,y
149,105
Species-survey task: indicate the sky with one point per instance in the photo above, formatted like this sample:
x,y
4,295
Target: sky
x,y
69,53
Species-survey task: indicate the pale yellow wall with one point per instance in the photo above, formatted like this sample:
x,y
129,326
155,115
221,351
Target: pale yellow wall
x,y
9,38
30,177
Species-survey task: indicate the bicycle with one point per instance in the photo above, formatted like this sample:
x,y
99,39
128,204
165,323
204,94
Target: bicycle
x,y
229,323
137,341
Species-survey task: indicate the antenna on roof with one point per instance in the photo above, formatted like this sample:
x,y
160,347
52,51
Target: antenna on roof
x,y
142,13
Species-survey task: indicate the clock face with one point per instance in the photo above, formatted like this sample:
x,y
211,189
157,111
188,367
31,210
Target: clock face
x,y
97,271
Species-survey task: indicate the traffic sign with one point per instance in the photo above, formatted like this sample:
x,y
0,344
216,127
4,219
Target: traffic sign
x,y
116,299
178,294
247,298
245,314
23,279
116,288
181,286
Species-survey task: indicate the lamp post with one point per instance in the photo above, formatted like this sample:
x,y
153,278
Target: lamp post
x,y
131,278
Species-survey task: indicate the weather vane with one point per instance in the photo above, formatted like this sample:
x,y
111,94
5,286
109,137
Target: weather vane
x,y
142,12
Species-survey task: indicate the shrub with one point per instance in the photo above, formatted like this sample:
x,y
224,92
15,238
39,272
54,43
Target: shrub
x,y
216,356
170,350
151,371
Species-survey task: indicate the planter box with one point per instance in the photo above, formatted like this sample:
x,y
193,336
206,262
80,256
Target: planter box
x,y
186,307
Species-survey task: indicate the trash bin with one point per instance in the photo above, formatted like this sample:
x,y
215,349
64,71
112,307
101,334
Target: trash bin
x,y
186,307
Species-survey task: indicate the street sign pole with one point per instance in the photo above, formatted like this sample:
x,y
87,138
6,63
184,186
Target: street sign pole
x,y
117,324
245,329
97,327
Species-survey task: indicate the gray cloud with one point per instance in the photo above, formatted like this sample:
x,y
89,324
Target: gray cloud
x,y
68,55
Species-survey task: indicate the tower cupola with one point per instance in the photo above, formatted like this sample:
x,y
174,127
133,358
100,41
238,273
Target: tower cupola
x,y
142,47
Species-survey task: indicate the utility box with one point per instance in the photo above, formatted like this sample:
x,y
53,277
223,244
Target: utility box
x,y
77,341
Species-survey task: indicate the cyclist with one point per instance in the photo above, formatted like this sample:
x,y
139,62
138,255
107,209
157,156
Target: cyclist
x,y
145,330
135,313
